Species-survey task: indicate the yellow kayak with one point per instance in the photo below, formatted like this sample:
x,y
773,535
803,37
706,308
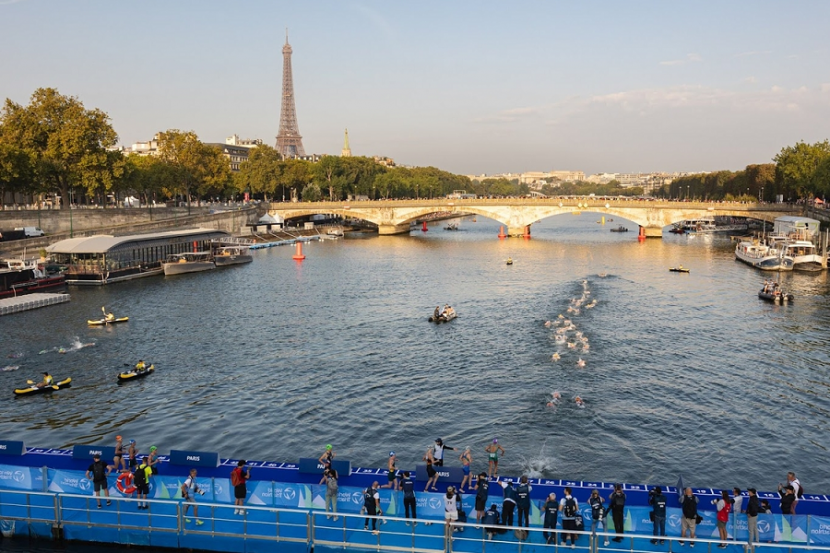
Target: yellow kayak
x,y
33,390
101,322
133,374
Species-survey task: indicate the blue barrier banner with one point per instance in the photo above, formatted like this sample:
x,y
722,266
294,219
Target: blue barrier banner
x,y
9,447
309,465
292,495
165,487
106,452
70,481
820,530
21,478
445,474
194,458
222,490
260,493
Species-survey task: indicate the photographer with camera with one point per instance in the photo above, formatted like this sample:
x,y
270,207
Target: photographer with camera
x,y
658,513
189,489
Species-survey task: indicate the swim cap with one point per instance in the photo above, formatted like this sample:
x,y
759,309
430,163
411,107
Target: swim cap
x,y
118,438
153,448
132,441
438,440
495,440
391,453
328,446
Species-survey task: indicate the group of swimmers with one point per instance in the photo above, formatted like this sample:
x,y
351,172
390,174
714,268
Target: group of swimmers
x,y
556,399
564,326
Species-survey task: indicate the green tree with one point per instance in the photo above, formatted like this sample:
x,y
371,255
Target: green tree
x,y
261,173
796,167
328,174
311,193
17,171
146,177
67,141
199,167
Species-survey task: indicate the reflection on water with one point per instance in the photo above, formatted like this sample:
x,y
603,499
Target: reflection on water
x,y
684,373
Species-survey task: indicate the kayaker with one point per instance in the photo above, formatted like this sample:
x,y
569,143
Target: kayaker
x,y
107,316
47,381
140,367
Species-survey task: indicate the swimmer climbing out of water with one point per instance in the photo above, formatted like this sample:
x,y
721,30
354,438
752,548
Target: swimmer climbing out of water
x,y
492,451
466,459
431,472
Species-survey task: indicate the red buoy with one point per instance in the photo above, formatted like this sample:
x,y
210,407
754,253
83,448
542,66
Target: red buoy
x,y
501,232
424,227
527,231
642,236
298,255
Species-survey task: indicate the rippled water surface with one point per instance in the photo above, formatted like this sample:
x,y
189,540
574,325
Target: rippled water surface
x,y
686,373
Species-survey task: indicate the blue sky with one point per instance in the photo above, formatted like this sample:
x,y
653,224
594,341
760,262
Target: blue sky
x,y
470,87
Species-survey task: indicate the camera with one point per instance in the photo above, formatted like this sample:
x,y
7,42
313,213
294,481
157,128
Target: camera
x,y
201,492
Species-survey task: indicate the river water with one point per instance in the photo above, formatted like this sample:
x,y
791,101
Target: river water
x,y
686,373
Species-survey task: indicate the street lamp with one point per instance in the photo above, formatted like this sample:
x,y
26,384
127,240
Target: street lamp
x,y
71,229
761,195
687,192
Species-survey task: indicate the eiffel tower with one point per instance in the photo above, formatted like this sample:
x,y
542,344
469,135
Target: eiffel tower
x,y
289,141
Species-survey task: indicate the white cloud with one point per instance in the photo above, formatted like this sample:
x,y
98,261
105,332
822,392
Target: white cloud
x,y
751,80
508,115
690,58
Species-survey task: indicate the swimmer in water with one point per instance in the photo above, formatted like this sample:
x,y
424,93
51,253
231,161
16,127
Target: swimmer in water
x,y
555,396
571,345
547,323
580,363
555,357
579,402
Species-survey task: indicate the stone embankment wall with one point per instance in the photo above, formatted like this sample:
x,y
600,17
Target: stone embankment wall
x,y
119,222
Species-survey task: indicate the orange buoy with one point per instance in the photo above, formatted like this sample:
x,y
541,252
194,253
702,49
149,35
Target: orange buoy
x,y
299,252
642,236
501,232
125,483
527,231
424,227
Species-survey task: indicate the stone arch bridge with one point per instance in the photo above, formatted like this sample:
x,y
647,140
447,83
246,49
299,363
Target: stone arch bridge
x,y
519,214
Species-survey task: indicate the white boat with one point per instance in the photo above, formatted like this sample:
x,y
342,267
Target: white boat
x,y
707,225
803,252
231,255
763,257
181,263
